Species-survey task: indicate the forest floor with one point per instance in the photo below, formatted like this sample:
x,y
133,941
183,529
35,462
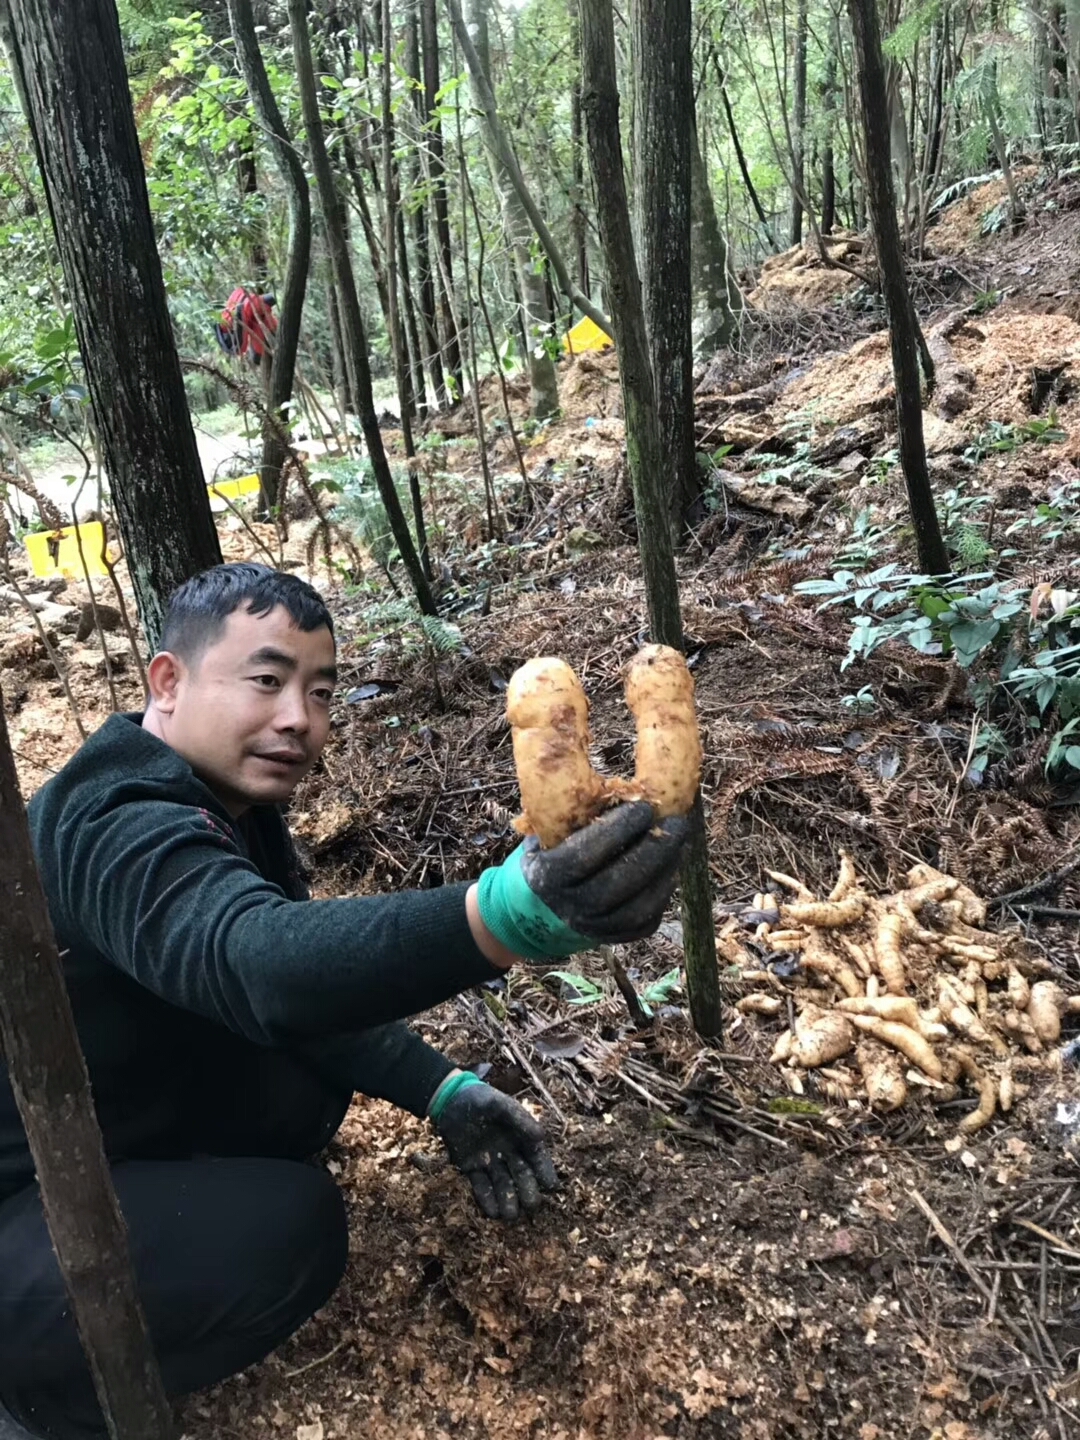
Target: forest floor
x,y
724,1259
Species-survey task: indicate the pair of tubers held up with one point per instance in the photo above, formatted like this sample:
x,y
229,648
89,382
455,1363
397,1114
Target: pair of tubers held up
x,y
549,718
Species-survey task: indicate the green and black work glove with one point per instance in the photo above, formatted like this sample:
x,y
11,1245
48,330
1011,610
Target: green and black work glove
x,y
606,884
495,1143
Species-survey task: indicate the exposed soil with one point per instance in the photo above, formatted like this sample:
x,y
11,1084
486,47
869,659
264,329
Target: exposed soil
x,y
718,1263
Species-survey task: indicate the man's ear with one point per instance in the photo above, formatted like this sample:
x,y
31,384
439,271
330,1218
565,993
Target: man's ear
x,y
163,676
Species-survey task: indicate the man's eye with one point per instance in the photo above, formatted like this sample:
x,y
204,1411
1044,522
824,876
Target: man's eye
x,y
323,696
267,682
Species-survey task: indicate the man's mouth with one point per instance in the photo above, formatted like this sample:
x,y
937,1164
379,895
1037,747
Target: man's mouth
x,y
286,759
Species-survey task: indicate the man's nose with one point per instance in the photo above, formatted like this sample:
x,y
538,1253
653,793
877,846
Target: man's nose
x,y
292,712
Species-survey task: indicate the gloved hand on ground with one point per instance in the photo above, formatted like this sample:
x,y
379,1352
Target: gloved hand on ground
x,y
495,1143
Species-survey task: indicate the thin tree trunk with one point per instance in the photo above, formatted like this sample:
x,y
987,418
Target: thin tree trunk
x,y
417,387
397,341
663,124
429,43
600,106
718,300
339,369
286,340
903,327
71,61
356,351
578,221
799,128
543,382
247,177
486,101
395,333
425,275
828,106
48,1075
740,156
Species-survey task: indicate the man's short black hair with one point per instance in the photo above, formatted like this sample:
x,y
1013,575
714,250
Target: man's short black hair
x,y
199,609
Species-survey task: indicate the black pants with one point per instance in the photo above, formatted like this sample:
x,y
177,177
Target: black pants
x,y
232,1253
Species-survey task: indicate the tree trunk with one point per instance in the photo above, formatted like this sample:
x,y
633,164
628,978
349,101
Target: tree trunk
x,y
356,350
417,388
286,340
718,300
798,132
903,327
578,221
397,339
71,59
543,382
52,1090
425,275
395,333
338,367
740,156
485,97
663,122
828,106
600,105
247,178
429,43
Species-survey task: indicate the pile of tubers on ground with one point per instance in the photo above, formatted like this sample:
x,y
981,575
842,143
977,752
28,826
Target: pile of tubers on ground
x,y
897,994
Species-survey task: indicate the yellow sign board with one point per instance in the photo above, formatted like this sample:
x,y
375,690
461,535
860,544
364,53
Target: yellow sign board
x,y
223,490
586,335
56,552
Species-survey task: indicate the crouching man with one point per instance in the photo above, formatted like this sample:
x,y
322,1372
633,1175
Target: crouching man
x,y
227,1019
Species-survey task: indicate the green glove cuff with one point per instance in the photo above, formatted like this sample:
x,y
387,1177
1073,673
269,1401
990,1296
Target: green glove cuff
x,y
519,919
448,1089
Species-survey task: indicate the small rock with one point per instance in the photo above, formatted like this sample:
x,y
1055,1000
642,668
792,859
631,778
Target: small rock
x,y
63,617
109,618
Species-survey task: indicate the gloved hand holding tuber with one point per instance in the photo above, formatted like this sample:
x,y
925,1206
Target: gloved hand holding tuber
x,y
605,885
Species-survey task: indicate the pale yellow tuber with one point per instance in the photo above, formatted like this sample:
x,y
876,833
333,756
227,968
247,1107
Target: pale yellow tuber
x,y
901,1037
820,1036
887,955
824,914
987,1086
972,908
757,1003
1019,989
1044,1010
549,718
846,880
900,1008
667,759
883,1075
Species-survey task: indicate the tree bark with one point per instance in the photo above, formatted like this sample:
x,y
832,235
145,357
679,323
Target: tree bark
x,y
798,134
429,43
663,122
487,104
247,179
718,299
52,1090
740,156
286,340
70,57
352,324
425,275
903,327
578,221
543,382
395,333
828,153
600,106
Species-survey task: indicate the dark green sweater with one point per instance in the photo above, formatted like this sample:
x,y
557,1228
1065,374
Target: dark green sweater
x,y
179,925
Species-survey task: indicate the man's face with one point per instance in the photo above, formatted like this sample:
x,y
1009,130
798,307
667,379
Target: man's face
x,y
251,714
